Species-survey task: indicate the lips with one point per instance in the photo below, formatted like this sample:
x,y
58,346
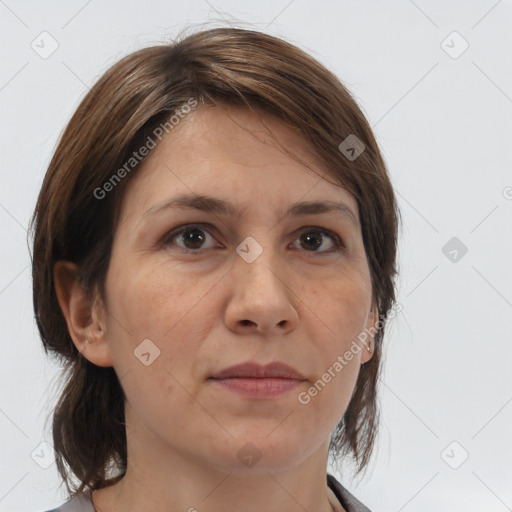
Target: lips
x,y
254,370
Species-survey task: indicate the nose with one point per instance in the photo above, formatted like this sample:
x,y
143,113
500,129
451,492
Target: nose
x,y
263,297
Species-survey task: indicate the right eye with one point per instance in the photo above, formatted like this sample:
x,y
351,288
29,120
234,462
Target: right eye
x,y
190,237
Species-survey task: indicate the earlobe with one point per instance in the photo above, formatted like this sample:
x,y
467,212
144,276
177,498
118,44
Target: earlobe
x,y
370,332
85,317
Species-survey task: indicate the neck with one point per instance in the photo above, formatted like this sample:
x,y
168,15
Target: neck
x,y
164,478
273,493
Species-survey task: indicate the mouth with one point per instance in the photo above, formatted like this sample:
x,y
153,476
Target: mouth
x,y
258,387
275,370
255,381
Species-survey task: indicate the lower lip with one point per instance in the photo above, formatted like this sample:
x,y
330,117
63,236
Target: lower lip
x,y
258,387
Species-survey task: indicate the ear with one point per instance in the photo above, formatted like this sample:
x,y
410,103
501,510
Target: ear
x,y
85,316
368,343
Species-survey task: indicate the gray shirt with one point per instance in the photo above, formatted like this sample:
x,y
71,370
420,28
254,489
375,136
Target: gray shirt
x,y
82,502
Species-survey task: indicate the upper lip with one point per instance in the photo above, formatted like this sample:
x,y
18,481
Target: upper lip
x,y
254,370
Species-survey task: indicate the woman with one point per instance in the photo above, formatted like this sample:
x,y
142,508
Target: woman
x,y
214,261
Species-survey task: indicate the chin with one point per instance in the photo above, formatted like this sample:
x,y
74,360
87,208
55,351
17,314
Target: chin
x,y
259,453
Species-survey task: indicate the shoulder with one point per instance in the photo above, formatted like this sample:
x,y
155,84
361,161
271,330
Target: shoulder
x,y
350,503
78,503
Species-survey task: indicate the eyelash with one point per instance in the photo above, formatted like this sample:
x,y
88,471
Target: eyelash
x,y
339,246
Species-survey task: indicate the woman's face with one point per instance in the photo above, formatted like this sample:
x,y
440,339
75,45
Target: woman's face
x,y
193,291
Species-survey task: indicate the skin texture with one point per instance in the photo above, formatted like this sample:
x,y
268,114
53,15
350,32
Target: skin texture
x,y
210,309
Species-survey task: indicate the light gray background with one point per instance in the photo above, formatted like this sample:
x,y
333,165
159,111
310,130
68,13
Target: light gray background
x,y
444,125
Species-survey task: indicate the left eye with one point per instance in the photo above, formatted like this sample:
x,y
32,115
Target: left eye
x,y
193,238
315,238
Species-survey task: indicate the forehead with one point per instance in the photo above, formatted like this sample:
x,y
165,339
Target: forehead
x,y
238,135
232,153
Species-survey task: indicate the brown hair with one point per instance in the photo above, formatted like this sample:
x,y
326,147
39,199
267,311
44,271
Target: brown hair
x,y
227,66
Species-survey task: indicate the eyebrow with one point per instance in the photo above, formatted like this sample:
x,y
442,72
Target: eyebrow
x,y
218,206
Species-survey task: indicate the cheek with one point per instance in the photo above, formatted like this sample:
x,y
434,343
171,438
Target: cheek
x,y
155,304
324,402
337,315
154,299
340,309
172,308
